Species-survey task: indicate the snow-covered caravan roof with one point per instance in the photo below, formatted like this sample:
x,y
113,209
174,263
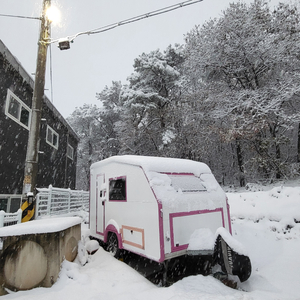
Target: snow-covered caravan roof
x,y
158,164
172,181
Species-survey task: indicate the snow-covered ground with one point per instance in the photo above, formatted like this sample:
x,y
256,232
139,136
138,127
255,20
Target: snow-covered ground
x,y
265,220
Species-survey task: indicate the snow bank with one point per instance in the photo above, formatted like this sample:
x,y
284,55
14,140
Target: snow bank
x,y
280,203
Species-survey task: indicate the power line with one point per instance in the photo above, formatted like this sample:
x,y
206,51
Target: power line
x,y
131,20
21,17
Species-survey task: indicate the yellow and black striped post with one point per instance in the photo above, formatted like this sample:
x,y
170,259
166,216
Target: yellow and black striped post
x,y
28,208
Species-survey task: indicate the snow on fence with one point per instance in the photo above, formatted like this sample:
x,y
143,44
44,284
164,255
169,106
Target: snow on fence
x,y
56,201
7,219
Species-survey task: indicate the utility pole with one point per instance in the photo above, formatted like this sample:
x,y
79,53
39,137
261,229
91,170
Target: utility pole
x,y
31,163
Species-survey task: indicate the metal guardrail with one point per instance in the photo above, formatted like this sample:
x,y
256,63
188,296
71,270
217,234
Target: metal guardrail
x,y
7,219
56,201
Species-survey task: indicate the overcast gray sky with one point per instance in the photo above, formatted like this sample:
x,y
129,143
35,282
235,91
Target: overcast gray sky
x,y
94,61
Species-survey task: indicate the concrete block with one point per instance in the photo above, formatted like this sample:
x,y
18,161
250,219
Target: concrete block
x,y
31,253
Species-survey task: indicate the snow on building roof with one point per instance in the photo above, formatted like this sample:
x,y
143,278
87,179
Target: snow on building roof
x,y
158,164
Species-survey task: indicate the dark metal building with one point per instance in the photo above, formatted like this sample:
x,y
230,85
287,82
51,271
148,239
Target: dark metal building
x,y
58,141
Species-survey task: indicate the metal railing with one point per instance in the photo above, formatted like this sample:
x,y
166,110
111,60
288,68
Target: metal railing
x,y
56,201
7,219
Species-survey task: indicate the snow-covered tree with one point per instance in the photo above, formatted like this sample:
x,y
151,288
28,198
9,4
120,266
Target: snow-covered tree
x,y
147,123
85,122
110,115
246,67
228,97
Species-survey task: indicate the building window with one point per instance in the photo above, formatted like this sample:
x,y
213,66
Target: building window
x,y
117,189
52,137
3,204
70,152
10,204
17,110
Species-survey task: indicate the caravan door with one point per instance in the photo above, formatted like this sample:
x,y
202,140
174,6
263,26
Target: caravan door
x,y
100,203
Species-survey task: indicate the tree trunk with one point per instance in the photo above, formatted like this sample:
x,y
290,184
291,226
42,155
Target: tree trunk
x,y
273,131
240,163
298,159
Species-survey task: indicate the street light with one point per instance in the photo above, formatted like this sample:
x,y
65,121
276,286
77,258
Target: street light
x,y
31,163
53,14
64,44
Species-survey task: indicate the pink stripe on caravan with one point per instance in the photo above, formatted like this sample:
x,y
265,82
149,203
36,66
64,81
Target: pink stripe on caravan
x,y
179,174
112,228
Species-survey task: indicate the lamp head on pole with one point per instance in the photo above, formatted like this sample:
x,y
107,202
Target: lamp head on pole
x,y
64,44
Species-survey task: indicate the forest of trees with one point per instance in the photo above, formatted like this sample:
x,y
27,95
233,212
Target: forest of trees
x,y
229,97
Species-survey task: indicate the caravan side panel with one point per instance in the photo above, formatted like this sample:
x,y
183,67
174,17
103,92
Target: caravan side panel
x,y
182,225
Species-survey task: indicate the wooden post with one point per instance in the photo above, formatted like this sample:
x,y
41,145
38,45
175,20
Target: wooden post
x,y
31,163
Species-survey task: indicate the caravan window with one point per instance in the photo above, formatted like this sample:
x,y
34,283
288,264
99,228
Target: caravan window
x,y
117,189
187,183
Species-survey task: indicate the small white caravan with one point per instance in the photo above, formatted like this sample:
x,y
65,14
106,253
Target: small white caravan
x,y
153,206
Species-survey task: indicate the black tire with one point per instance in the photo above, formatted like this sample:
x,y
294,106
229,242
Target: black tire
x,y
113,245
240,265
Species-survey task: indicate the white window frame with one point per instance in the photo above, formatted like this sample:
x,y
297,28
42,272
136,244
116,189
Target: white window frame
x,y
17,118
50,140
69,147
9,198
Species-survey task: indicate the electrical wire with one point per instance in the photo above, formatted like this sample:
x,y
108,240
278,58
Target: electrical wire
x,y
131,20
108,27
21,17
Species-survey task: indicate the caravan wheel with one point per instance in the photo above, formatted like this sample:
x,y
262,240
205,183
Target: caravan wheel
x,y
113,245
